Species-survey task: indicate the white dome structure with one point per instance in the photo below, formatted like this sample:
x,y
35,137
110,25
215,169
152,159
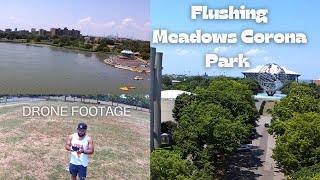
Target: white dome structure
x,y
168,98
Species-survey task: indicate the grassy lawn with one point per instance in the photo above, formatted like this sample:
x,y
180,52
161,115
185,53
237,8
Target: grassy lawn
x,y
269,105
33,147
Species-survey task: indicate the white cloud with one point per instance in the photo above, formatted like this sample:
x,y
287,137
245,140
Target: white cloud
x,y
220,49
147,24
183,52
126,21
86,20
254,52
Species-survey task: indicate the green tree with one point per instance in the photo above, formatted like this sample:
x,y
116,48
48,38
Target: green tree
x,y
168,165
252,84
208,133
167,82
181,101
301,99
88,46
232,95
308,173
286,86
106,49
99,48
299,146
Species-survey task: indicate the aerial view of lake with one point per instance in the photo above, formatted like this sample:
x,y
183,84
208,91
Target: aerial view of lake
x,y
49,70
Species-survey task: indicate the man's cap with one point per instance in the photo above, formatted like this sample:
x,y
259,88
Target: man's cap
x,y
82,126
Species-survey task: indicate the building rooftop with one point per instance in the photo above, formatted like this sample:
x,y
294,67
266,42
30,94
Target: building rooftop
x,y
258,68
126,52
172,94
175,81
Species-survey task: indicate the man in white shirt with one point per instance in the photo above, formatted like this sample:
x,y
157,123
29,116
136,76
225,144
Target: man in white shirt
x,y
81,145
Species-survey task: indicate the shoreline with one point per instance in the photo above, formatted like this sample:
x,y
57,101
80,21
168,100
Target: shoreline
x,y
115,61
128,64
41,44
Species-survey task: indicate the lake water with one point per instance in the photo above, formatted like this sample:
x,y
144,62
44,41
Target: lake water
x,y
265,96
50,70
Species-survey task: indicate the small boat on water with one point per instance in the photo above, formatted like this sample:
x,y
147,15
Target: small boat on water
x,y
124,88
138,78
127,88
123,67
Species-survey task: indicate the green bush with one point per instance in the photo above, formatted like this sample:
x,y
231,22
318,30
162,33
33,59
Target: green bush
x,y
168,165
168,127
311,172
299,145
262,107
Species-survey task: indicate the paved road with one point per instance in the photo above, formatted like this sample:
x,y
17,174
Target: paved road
x,y
256,164
266,142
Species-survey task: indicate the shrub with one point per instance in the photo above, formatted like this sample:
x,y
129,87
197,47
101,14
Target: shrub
x,y
168,165
262,107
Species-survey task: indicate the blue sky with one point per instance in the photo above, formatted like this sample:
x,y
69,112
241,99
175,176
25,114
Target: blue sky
x,y
284,16
95,17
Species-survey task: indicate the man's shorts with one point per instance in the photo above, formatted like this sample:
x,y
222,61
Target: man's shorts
x,y
78,170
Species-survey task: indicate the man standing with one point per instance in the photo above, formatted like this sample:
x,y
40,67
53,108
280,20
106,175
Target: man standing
x,y
80,144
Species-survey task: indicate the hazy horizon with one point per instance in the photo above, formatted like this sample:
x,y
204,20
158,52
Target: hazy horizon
x,y
121,18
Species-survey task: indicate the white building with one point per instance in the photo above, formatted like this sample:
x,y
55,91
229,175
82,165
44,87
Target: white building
x,y
168,98
127,53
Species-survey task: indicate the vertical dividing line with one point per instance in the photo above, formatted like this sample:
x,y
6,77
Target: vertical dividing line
x,y
157,94
152,88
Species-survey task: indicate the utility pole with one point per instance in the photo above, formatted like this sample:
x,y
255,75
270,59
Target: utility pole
x,y
152,79
157,102
155,99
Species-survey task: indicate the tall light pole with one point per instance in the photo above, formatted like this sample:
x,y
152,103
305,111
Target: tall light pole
x,y
152,79
155,99
157,102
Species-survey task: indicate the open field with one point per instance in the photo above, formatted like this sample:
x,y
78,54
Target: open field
x,y
33,147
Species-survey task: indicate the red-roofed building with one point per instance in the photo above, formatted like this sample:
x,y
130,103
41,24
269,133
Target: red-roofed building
x,y
316,81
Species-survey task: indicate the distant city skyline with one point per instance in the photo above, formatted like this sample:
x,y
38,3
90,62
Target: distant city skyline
x,y
121,18
36,31
44,32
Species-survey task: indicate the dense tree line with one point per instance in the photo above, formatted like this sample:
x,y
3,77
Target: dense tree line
x,y
143,47
192,82
93,44
296,124
210,125
133,100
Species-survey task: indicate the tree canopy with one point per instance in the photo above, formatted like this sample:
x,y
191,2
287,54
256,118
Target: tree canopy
x,y
212,122
296,124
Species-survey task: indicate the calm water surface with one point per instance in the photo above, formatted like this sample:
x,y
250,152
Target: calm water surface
x,y
49,70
